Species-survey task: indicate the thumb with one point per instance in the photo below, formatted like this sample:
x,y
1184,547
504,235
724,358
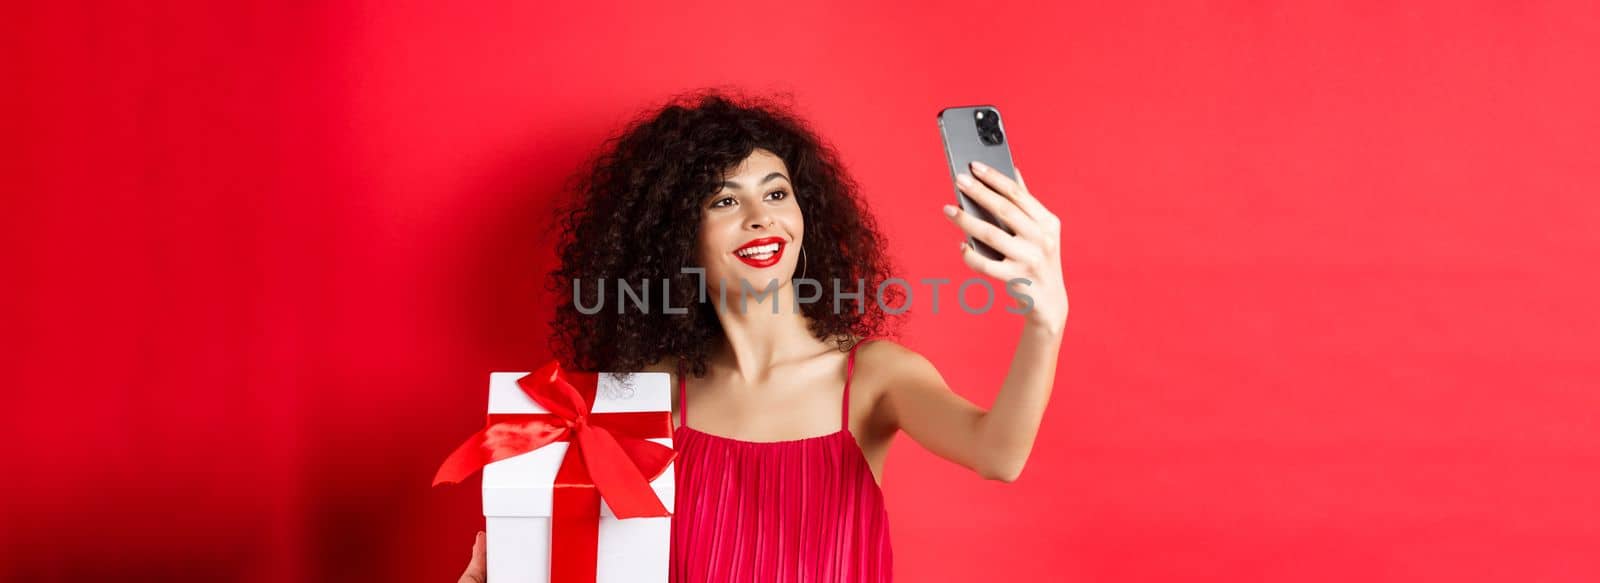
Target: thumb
x,y
475,568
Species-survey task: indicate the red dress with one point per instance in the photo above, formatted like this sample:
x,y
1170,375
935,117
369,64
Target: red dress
x,y
796,511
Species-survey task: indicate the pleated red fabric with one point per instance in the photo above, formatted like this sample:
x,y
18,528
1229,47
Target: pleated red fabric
x,y
797,511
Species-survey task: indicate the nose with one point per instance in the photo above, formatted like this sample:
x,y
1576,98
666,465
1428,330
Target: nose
x,y
762,221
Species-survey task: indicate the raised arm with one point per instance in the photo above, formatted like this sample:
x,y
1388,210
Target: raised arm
x,y
994,443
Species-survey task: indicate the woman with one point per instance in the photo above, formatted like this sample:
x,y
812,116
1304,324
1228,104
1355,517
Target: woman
x,y
794,407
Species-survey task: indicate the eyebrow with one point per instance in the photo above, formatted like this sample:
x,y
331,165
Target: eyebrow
x,y
769,178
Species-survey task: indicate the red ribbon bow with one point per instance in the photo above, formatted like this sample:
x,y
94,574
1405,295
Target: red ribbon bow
x,y
608,458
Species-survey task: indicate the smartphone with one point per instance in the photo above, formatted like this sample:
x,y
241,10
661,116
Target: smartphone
x,y
975,132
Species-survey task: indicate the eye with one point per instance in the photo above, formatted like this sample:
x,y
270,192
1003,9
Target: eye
x,y
782,194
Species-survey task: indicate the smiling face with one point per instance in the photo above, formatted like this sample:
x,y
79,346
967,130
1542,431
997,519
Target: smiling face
x,y
752,228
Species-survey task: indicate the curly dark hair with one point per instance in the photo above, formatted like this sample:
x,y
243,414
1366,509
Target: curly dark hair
x,y
635,211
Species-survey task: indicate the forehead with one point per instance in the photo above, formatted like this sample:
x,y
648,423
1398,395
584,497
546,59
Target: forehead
x,y
757,167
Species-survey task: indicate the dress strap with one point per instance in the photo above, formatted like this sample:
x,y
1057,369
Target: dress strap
x,y
849,371
683,397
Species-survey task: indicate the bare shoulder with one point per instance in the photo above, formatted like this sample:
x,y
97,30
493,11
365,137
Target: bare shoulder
x,y
889,372
889,361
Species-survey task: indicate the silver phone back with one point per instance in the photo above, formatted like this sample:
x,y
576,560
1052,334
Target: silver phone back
x,y
958,127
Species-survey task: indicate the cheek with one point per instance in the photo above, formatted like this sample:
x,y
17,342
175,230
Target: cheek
x,y
713,237
796,221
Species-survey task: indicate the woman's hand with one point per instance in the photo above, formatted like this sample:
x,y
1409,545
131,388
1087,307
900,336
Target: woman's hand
x,y
1033,253
475,568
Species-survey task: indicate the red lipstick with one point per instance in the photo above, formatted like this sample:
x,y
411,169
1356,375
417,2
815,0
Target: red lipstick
x,y
768,259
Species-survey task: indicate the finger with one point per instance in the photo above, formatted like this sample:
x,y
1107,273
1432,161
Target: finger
x,y
993,268
1048,217
1013,247
1011,189
475,568
1016,190
1001,207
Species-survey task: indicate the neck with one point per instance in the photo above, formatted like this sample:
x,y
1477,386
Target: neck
x,y
756,340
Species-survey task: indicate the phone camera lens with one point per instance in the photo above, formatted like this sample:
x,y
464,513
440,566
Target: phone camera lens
x,y
988,125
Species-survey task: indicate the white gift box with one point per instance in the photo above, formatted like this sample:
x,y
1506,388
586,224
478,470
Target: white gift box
x,y
517,492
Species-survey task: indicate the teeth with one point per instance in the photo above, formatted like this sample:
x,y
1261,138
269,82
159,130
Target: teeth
x,y
767,249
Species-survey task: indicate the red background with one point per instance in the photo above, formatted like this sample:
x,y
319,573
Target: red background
x,y
1331,273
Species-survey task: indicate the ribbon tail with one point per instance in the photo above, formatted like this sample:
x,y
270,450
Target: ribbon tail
x,y
650,457
496,441
469,457
622,485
